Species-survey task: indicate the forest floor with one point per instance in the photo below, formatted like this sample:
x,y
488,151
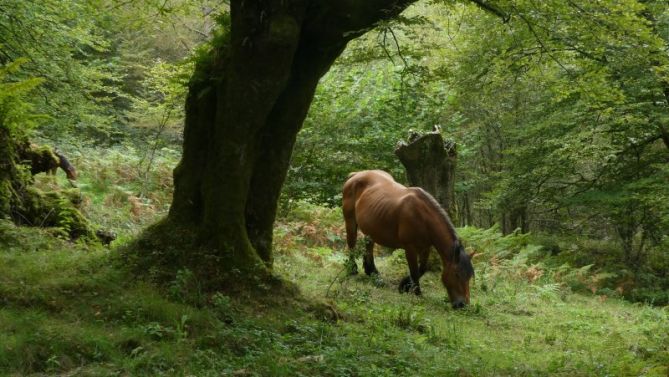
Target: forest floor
x,y
67,309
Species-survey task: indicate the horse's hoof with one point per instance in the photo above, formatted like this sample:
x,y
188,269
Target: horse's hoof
x,y
405,285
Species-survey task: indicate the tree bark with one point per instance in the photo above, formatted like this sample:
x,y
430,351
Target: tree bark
x,y
430,163
465,217
246,103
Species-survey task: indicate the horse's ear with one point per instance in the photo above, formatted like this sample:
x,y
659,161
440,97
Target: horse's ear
x,y
459,249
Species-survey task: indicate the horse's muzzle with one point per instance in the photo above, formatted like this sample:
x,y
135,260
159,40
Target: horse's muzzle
x,y
458,304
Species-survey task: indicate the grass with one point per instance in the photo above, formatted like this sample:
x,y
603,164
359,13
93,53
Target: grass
x,y
66,309
514,328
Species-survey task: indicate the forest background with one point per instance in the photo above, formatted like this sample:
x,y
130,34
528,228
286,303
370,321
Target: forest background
x,y
560,114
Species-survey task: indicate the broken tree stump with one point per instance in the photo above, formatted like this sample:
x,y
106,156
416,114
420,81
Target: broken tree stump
x,y
430,163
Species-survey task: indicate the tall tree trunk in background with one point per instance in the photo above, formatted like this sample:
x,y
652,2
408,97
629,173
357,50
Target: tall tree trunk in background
x,y
465,211
430,163
664,129
247,101
11,177
514,218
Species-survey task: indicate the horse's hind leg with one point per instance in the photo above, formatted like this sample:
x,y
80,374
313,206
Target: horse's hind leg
x,y
368,258
411,282
351,236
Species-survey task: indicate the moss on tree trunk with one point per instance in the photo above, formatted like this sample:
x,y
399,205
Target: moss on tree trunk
x,y
26,205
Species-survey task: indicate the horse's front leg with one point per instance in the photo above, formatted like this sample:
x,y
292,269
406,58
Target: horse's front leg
x,y
411,282
423,262
368,258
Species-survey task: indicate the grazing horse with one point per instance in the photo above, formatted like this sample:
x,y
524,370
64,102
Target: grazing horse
x,y
408,218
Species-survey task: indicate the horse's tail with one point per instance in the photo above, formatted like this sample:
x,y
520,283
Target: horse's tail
x,y
348,207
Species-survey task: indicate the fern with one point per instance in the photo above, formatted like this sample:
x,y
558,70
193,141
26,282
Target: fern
x,y
16,113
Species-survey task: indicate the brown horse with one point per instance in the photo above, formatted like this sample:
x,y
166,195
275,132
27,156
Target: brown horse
x,y
406,218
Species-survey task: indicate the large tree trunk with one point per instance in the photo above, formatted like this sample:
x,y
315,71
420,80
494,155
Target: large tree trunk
x,y
247,101
430,163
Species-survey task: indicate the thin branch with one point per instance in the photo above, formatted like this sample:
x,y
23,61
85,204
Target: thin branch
x,y
385,49
530,27
492,8
194,30
397,45
121,4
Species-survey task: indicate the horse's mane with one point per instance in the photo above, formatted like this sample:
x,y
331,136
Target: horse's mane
x,y
437,207
464,262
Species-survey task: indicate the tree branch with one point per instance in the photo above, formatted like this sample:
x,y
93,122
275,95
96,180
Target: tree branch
x,y
492,8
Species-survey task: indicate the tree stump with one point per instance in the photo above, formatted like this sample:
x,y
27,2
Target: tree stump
x,y
430,163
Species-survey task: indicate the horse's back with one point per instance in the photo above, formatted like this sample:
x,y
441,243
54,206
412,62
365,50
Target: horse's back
x,y
368,177
373,185
359,182
385,210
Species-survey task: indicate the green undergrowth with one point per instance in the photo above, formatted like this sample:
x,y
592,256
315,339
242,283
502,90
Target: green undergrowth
x,y
66,310
581,264
121,188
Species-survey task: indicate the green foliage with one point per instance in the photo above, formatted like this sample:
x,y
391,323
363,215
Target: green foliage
x,y
558,116
304,223
16,114
61,45
120,194
67,309
185,288
581,265
105,64
564,120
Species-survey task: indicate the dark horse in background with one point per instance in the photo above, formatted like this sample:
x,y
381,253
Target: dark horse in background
x,y
406,218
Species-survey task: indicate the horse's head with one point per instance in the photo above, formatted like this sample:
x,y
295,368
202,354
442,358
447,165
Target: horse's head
x,y
456,276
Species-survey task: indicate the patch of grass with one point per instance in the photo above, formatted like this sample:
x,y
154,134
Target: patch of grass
x,y
524,320
66,311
